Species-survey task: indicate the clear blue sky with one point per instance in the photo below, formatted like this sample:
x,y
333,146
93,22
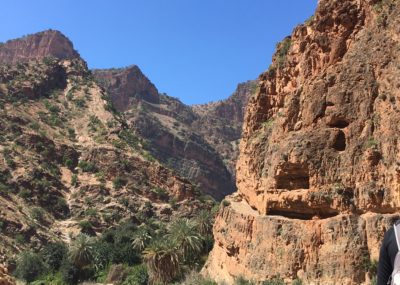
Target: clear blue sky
x,y
196,50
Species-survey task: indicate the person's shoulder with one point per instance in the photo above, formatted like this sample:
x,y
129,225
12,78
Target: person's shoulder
x,y
389,235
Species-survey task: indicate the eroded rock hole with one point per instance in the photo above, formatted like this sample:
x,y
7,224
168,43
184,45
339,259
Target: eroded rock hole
x,y
339,142
338,123
292,176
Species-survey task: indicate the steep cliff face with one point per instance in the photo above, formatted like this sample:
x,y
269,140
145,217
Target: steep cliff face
x,y
318,175
199,142
49,43
126,85
220,123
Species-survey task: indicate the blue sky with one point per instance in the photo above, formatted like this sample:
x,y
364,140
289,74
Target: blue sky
x,y
196,50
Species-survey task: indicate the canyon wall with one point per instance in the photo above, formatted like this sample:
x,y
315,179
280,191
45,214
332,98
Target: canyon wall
x,y
318,172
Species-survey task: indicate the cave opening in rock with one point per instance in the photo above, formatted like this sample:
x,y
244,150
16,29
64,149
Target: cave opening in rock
x,y
339,123
339,142
303,215
292,176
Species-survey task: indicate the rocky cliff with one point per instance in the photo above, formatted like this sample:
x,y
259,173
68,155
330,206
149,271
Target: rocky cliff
x,y
220,123
318,173
199,142
49,43
125,85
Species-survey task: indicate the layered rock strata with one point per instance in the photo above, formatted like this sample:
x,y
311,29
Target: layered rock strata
x,y
318,172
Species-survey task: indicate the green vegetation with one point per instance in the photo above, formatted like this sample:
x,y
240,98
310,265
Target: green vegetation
x,y
37,214
80,102
74,180
87,166
242,281
371,143
309,20
119,182
71,134
268,123
160,193
297,282
274,281
150,252
282,50
29,266
383,8
8,158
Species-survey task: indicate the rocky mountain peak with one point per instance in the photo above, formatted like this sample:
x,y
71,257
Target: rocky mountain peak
x,y
126,85
50,43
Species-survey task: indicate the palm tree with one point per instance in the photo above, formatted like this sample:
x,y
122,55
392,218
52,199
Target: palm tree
x,y
184,234
163,261
141,238
204,222
81,251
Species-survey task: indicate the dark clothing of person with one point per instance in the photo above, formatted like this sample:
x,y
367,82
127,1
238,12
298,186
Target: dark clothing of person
x,y
386,257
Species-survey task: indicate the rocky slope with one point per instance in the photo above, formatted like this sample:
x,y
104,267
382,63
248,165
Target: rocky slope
x,y
68,161
318,173
199,142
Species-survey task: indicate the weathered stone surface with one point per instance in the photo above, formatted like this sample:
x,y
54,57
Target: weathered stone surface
x,y
49,43
199,142
127,85
318,167
5,279
220,123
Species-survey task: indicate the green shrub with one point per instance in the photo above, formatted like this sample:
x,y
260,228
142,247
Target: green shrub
x,y
86,227
274,281
87,166
297,282
118,182
52,278
80,103
20,238
29,266
71,134
34,126
69,272
137,276
4,189
242,281
160,193
282,50
371,143
37,214
53,254
74,180
225,203
61,206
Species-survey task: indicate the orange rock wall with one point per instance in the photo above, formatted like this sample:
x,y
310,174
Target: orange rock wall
x,y
318,172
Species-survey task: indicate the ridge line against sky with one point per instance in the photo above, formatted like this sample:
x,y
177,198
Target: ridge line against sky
x,y
197,51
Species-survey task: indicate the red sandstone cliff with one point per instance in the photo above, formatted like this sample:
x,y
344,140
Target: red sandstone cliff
x,y
318,173
49,43
126,85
